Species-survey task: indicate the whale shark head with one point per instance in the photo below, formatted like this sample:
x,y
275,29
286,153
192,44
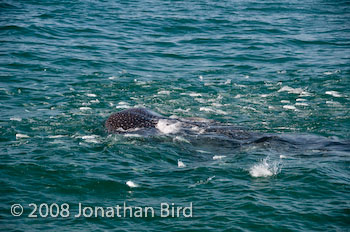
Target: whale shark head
x,y
131,119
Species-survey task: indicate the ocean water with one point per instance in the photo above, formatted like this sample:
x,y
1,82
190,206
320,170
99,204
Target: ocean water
x,y
272,67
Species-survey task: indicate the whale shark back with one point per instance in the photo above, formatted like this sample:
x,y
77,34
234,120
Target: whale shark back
x,y
132,118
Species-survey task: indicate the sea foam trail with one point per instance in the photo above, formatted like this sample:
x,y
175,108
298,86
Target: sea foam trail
x,y
168,127
91,138
264,169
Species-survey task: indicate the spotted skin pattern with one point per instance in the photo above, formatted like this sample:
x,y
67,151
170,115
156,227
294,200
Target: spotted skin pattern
x,y
130,119
135,118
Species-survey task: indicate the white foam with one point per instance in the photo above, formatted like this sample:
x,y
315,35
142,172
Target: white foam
x,y
333,93
181,139
131,184
201,100
180,164
227,82
85,108
56,136
122,107
57,142
165,92
300,99
221,112
132,135
330,72
91,95
195,94
16,119
216,104
333,103
95,101
200,77
218,157
264,169
294,90
204,152
285,128
301,104
202,182
182,110
250,108
143,83
90,138
112,78
21,136
210,178
168,127
206,109
285,101
195,128
240,86
289,107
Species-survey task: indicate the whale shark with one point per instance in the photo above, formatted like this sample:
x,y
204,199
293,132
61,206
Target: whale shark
x,y
131,119
142,118
203,131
